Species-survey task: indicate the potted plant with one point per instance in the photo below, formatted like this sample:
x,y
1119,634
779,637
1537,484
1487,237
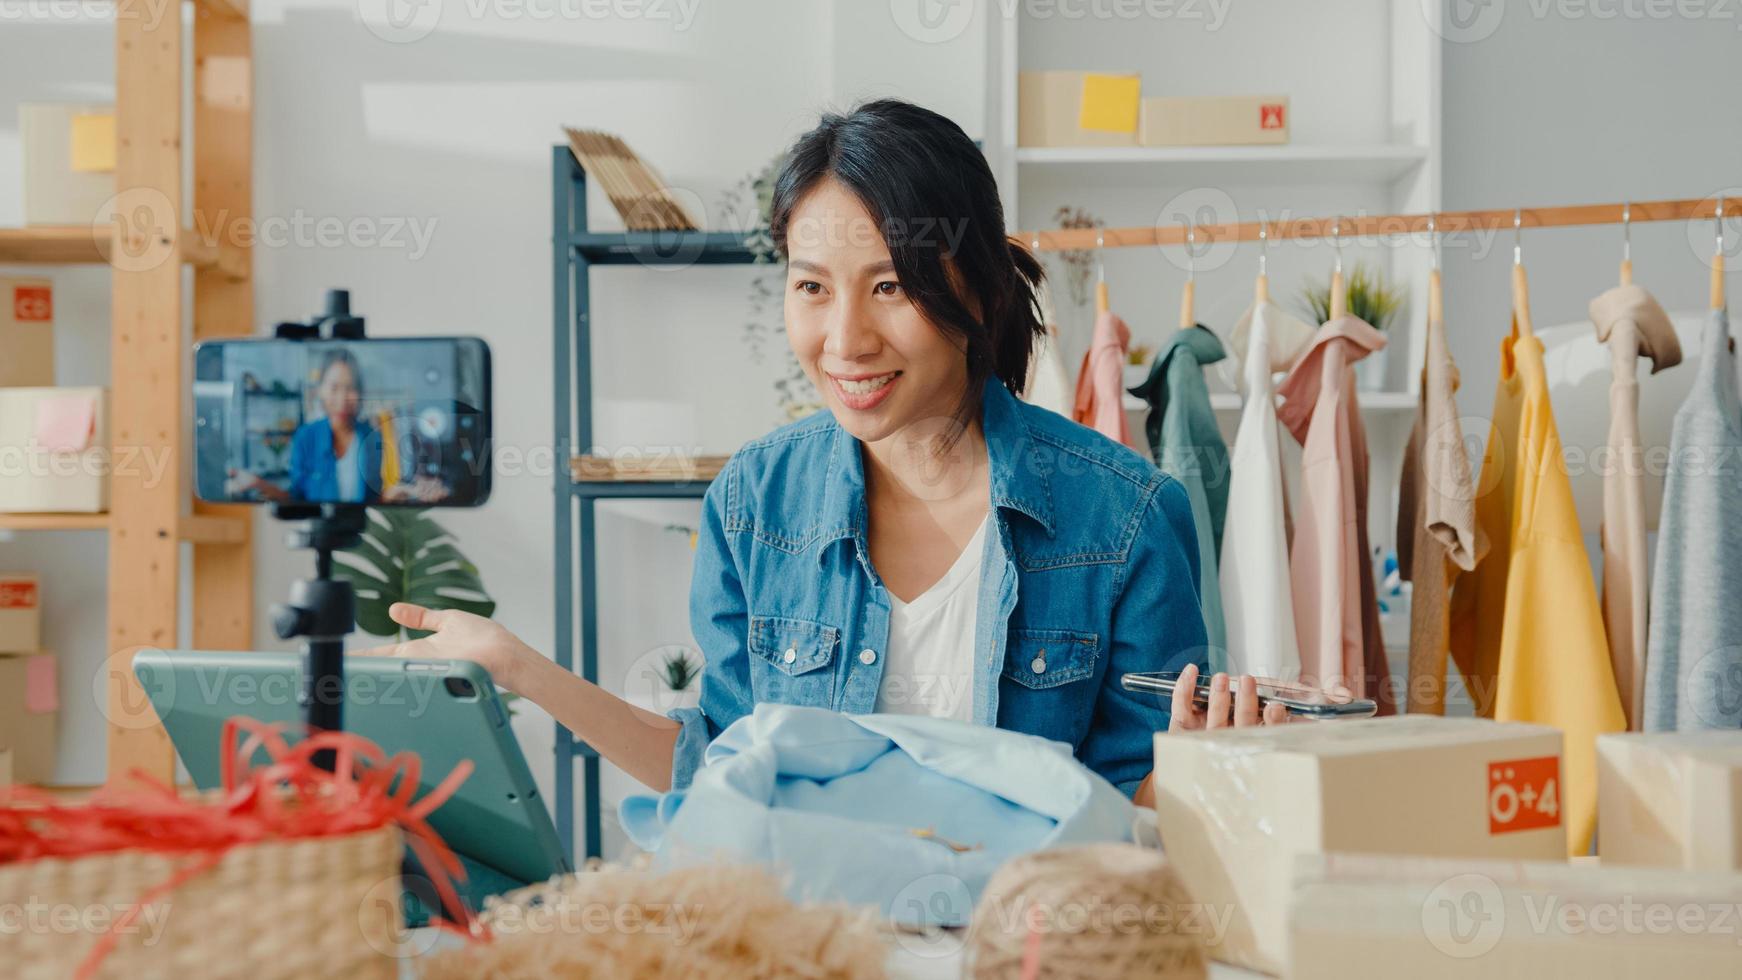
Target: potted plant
x,y
1370,296
405,556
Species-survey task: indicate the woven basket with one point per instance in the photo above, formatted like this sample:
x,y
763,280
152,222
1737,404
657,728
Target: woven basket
x,y
325,907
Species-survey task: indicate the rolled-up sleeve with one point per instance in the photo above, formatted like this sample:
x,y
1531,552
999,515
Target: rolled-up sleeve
x,y
719,620
1156,626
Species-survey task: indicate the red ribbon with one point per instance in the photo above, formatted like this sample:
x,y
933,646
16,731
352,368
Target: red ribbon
x,y
287,798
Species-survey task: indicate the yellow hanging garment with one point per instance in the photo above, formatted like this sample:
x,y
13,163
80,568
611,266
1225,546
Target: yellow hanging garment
x,y
1527,628
389,451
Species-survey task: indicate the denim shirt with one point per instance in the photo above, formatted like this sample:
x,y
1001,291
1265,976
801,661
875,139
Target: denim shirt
x,y
314,470
1092,573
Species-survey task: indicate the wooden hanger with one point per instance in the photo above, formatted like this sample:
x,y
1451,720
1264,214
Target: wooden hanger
x,y
1339,294
1187,319
1101,303
1436,305
1626,243
1718,261
1520,284
1261,289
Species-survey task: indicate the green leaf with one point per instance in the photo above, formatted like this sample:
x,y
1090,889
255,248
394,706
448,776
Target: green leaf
x,y
405,556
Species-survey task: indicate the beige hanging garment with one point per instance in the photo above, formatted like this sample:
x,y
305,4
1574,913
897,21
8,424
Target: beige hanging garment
x,y
1631,323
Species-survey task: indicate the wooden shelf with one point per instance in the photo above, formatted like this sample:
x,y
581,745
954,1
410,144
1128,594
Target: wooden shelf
x,y
197,528
661,469
82,245
1195,165
54,522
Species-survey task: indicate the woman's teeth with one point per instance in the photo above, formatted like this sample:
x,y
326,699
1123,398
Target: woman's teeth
x,y
866,386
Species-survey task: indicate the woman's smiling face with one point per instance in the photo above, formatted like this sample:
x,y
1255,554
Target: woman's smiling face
x,y
879,364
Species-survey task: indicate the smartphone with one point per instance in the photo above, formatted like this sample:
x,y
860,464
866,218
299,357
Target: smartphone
x,y
1299,699
383,422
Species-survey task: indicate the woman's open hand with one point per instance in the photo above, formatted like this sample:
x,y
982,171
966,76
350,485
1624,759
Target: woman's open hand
x,y
1238,707
460,635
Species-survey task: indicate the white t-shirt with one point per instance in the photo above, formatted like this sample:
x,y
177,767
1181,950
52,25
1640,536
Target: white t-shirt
x,y
349,470
928,669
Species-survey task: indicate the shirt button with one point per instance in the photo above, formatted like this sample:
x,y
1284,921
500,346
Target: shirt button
x,y
791,655
1038,665
867,657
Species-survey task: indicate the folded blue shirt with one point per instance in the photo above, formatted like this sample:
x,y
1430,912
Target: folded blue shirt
x,y
834,801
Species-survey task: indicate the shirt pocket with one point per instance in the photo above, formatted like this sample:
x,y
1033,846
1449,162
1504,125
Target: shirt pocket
x,y
1040,659
791,659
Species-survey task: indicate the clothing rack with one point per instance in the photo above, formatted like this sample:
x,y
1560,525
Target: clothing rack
x,y
1382,225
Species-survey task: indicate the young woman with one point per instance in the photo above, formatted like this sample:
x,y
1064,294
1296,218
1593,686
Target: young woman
x,y
929,544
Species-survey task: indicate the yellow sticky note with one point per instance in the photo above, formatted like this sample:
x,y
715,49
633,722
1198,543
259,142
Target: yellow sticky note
x,y
93,137
1110,103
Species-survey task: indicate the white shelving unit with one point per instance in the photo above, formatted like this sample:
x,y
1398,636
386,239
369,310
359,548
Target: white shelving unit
x,y
1363,79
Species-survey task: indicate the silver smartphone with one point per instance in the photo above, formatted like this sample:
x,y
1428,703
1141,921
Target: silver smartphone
x,y
1298,699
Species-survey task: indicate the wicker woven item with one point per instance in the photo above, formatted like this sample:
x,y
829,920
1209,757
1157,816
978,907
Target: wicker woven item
x,y
290,869
317,907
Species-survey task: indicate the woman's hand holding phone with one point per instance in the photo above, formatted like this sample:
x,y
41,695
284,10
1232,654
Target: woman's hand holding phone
x,y
1232,703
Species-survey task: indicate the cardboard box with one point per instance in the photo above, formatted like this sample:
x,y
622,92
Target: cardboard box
x,y
54,450
20,613
1432,919
30,714
26,332
1051,109
55,191
1215,121
1236,807
1671,799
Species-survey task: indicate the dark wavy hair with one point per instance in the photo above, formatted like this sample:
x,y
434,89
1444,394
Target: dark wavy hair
x,y
933,196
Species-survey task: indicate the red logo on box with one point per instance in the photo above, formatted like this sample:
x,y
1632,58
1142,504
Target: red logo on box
x,y
18,595
1271,115
32,304
1524,794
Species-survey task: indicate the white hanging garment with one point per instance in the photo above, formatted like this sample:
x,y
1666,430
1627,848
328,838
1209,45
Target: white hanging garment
x,y
1049,385
1257,603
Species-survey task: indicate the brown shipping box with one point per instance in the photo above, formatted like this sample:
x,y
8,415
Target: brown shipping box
x,y
1237,120
1049,106
1671,799
30,714
54,450
20,613
1236,807
1437,919
26,332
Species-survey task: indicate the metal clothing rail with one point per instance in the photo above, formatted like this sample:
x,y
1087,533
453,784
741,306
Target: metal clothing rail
x,y
1383,225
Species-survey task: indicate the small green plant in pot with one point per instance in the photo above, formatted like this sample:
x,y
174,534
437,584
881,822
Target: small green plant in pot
x,y
1370,297
680,670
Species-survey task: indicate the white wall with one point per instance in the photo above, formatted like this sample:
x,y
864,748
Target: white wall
x,y
452,129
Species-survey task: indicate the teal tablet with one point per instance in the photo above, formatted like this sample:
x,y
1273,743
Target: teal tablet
x,y
444,711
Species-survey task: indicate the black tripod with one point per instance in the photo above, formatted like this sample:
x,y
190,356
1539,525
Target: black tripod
x,y
322,609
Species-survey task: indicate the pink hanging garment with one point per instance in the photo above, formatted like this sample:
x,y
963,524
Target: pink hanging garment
x,y
1101,384
1336,610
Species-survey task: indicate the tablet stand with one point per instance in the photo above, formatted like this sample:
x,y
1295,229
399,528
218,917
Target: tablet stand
x,y
322,610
